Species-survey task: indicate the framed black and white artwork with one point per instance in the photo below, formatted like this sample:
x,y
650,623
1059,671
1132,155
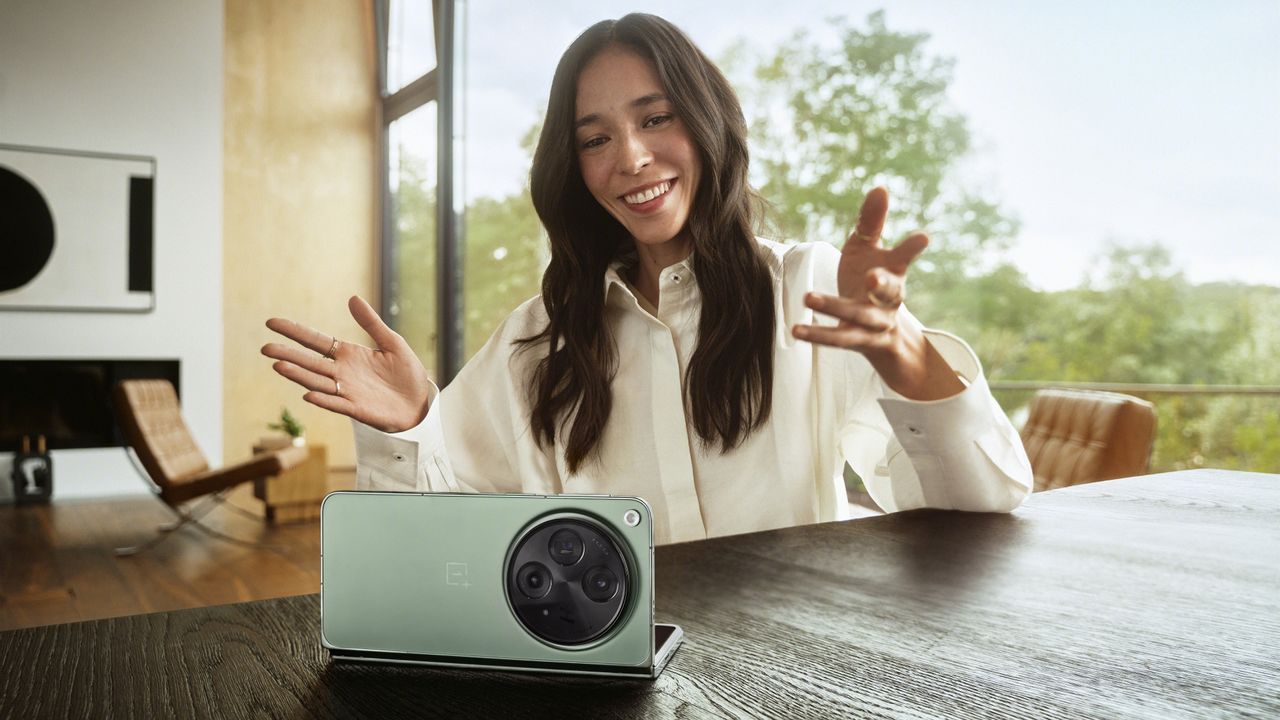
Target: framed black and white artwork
x,y
76,230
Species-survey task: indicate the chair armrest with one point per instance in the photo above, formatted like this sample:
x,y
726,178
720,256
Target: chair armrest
x,y
211,481
259,466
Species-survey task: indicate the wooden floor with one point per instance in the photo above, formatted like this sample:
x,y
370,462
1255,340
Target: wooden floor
x,y
58,563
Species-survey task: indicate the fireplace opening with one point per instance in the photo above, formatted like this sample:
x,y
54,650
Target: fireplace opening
x,y
68,401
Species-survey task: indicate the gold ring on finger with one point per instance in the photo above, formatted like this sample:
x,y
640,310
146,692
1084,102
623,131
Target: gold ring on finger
x,y
332,349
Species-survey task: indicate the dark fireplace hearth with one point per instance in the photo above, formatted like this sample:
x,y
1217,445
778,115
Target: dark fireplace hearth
x,y
68,401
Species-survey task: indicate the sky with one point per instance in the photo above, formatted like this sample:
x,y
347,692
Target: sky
x,y
1093,121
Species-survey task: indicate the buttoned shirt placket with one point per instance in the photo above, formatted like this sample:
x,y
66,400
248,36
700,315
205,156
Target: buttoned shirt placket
x,y
670,343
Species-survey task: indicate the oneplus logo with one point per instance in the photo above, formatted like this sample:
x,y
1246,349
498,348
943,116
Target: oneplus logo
x,y
455,573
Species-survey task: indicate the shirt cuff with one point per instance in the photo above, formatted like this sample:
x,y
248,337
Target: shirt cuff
x,y
389,461
966,453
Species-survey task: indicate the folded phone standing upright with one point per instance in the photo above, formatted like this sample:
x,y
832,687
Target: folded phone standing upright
x,y
542,583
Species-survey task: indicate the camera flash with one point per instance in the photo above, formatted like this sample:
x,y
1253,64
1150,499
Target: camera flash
x,y
631,518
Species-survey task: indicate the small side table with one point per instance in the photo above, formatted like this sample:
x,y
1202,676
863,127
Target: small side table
x,y
295,494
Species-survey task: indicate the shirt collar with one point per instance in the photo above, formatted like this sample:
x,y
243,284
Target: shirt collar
x,y
613,276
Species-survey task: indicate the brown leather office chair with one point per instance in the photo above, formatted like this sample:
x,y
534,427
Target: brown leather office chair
x,y
151,420
1081,436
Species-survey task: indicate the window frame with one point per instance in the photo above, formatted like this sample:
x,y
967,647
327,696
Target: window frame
x,y
439,85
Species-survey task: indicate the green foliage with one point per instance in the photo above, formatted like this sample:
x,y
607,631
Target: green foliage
x,y
1137,320
288,424
506,251
413,287
828,124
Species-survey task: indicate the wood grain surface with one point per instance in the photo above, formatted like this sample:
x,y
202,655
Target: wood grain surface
x,y
1149,597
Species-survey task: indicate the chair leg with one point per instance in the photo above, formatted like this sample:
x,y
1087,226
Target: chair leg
x,y
195,513
192,517
223,502
163,532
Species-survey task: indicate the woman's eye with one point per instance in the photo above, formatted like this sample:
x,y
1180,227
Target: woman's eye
x,y
657,120
594,142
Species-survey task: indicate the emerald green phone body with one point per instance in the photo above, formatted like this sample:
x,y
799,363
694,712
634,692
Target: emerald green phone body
x,y
543,583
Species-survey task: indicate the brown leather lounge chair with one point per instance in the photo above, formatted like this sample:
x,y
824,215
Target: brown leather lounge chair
x,y
151,420
1082,436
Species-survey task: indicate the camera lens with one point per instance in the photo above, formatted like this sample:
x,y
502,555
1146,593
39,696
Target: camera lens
x,y
600,583
566,547
534,580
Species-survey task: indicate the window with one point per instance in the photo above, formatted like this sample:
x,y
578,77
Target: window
x,y
419,239
411,42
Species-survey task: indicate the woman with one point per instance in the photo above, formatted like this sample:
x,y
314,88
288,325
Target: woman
x,y
688,365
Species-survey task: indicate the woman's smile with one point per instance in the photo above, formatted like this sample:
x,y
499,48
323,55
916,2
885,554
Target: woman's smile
x,y
648,199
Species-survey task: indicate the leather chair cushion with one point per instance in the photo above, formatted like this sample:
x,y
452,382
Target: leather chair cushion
x,y
1079,436
151,419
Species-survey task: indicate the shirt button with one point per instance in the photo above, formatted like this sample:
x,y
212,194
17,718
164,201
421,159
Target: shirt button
x,y
398,457
676,278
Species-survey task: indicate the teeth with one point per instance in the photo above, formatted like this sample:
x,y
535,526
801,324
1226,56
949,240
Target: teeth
x,y
647,195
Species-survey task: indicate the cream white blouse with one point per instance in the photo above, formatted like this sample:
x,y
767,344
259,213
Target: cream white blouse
x,y
829,407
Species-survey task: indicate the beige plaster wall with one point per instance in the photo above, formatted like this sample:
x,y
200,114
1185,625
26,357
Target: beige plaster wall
x,y
300,154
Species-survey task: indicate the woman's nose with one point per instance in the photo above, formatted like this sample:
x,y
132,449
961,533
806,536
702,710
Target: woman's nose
x,y
634,155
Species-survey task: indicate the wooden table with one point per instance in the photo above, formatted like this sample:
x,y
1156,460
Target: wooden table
x,y
1151,597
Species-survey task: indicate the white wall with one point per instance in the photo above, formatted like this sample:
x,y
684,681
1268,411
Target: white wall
x,y
142,77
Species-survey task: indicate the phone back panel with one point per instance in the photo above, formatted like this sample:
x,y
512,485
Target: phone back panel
x,y
423,575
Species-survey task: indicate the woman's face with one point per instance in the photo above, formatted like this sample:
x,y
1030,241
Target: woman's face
x,y
636,155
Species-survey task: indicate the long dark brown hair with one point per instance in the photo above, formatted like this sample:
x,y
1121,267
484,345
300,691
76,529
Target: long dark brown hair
x,y
728,387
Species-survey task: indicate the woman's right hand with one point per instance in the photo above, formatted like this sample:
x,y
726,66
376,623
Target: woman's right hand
x,y
385,387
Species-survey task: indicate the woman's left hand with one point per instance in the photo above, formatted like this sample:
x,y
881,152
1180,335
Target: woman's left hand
x,y
872,281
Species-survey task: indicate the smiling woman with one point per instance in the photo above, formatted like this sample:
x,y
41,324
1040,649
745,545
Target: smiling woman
x,y
636,106
672,355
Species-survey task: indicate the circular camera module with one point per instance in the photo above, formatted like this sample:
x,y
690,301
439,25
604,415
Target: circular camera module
x,y
566,547
534,580
568,579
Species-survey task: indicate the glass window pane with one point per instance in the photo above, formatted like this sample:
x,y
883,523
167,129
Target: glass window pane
x,y
411,42
506,248
506,252
412,144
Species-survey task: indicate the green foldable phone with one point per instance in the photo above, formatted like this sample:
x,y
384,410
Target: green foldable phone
x,y
541,583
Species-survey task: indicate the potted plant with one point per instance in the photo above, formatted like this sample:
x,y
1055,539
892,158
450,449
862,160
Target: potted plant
x,y
290,426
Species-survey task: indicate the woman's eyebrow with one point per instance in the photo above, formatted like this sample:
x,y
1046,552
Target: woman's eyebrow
x,y
649,99
641,101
